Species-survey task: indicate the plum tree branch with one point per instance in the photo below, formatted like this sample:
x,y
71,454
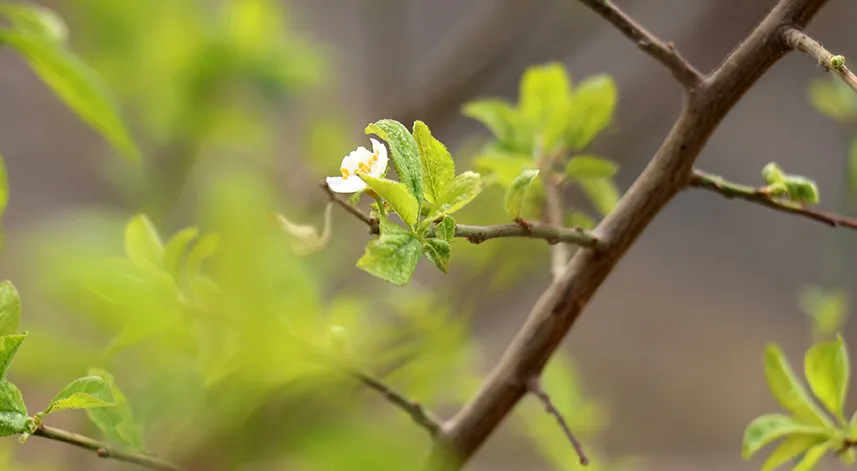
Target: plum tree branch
x,y
797,39
706,104
729,190
535,388
104,450
665,53
553,234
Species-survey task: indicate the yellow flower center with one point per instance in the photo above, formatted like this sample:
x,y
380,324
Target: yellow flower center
x,y
345,173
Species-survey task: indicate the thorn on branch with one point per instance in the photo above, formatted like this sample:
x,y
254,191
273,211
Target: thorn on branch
x,y
534,387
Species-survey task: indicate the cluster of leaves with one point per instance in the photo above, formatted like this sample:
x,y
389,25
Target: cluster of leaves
x,y
546,134
96,392
794,188
428,191
807,430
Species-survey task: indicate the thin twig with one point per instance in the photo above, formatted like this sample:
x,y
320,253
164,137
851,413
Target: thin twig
x,y
716,184
797,39
665,53
560,253
478,234
104,450
535,388
414,409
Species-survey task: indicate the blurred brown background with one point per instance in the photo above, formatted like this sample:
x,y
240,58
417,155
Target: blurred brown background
x,y
673,342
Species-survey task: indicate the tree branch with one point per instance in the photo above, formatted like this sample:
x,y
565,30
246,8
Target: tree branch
x,y
665,53
534,386
414,409
716,184
478,234
796,39
669,171
104,450
560,253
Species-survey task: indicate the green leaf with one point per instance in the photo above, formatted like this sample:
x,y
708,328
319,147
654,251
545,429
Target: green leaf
x,y
767,428
517,190
4,187
826,309
438,166
827,369
35,20
504,121
583,167
592,105
392,257
848,457
116,423
355,197
446,228
437,251
788,391
405,154
82,393
77,85
543,99
504,167
9,345
202,251
834,99
602,192
581,220
792,446
143,244
852,434
812,457
458,194
395,193
13,411
176,248
10,308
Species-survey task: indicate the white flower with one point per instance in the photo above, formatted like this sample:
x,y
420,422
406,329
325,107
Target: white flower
x,y
359,161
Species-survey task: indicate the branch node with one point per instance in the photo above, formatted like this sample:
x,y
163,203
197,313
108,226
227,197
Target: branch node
x,y
535,388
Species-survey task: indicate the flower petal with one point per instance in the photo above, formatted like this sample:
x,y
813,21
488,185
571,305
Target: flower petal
x,y
352,184
379,167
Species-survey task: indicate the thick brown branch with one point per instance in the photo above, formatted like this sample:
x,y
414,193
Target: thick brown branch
x,y
700,179
665,53
535,388
670,169
796,39
478,234
104,450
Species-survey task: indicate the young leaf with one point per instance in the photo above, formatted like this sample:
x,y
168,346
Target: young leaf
x,y
812,457
82,393
116,423
517,190
852,434
833,99
143,244
848,457
592,105
13,411
35,20
446,229
437,252
77,85
792,446
767,428
602,192
10,308
9,345
176,248
405,154
458,194
827,369
397,195
202,251
498,116
392,257
583,167
4,187
581,220
504,168
543,99
438,166
788,391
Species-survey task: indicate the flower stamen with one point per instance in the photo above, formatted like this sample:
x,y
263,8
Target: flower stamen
x,y
345,173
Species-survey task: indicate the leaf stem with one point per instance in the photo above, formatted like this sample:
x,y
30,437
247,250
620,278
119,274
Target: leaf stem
x,y
104,450
729,190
